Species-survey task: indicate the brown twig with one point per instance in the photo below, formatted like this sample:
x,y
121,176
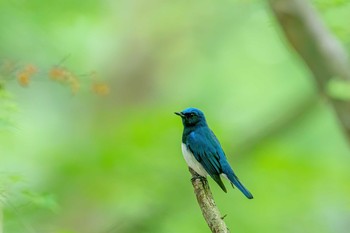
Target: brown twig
x,y
206,202
320,50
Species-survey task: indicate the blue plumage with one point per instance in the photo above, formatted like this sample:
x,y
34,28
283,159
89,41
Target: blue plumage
x,y
203,152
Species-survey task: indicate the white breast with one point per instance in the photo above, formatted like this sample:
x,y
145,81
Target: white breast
x,y
192,162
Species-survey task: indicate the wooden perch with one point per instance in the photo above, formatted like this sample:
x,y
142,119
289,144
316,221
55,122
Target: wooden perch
x,y
320,50
206,202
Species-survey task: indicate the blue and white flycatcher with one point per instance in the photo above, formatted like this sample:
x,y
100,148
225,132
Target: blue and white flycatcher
x,y
202,150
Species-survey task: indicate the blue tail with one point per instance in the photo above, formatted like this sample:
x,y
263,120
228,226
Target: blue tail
x,y
234,180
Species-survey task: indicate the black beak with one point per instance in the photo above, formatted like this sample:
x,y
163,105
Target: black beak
x,y
179,114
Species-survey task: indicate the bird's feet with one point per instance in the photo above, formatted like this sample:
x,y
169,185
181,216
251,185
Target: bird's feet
x,y
198,177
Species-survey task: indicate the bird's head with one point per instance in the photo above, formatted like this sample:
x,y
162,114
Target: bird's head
x,y
192,117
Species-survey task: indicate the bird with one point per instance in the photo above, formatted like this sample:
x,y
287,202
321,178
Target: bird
x,y
202,150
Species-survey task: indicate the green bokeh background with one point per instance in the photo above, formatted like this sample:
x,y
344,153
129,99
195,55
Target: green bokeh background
x,y
103,164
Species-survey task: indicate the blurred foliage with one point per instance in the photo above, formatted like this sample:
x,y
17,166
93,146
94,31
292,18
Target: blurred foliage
x,y
7,109
113,163
339,89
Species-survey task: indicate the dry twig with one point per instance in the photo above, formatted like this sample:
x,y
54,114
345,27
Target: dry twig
x,y
206,202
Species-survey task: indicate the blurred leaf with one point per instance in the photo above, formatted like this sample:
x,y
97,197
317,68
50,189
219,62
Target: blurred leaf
x,y
339,89
42,200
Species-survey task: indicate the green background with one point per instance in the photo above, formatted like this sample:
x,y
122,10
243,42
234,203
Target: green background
x,y
89,163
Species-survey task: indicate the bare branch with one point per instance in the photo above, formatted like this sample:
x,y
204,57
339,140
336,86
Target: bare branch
x,y
206,202
320,50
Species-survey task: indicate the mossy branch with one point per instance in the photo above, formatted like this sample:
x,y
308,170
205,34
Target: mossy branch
x,y
207,204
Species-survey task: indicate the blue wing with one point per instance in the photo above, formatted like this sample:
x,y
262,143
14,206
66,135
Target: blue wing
x,y
204,150
207,150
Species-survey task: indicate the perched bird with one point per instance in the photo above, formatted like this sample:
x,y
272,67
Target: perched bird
x,y
202,150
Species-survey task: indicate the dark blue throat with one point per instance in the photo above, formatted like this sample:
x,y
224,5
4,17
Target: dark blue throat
x,y
189,129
